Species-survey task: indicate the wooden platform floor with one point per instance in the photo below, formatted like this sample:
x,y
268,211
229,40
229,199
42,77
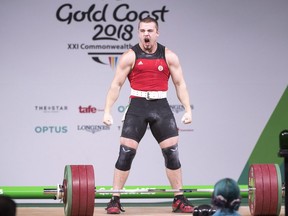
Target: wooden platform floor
x,y
100,211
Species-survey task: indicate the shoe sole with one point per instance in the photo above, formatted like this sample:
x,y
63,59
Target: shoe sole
x,y
177,210
113,211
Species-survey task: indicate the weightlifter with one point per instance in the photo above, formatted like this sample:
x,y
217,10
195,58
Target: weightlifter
x,y
148,65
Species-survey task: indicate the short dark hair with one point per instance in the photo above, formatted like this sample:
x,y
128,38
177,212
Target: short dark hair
x,y
148,19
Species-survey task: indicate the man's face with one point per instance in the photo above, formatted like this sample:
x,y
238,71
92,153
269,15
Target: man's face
x,y
148,35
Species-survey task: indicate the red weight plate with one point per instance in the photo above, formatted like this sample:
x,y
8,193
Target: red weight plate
x,y
274,189
90,190
75,190
266,189
83,190
255,196
259,190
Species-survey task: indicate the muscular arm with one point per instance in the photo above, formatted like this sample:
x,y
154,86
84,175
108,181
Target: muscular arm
x,y
123,68
180,84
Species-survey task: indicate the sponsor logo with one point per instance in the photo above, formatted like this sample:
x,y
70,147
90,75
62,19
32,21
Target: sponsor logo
x,y
185,130
174,149
160,68
122,109
179,108
126,150
51,109
92,128
51,129
89,109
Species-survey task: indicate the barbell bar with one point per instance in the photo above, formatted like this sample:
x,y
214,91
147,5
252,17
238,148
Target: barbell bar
x,y
104,192
59,192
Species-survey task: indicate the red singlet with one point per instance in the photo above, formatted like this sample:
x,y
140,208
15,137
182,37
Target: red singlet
x,y
150,71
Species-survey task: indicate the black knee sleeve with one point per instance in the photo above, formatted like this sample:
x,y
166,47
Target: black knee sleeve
x,y
171,156
126,156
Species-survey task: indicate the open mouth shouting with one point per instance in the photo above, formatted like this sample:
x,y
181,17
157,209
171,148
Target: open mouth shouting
x,y
146,40
147,44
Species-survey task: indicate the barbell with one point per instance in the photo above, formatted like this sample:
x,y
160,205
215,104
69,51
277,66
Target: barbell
x,y
78,192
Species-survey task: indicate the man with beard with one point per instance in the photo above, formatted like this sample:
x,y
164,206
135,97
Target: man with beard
x,y
148,66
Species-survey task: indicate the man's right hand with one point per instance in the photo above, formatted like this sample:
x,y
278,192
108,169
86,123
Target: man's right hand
x,y
107,119
187,118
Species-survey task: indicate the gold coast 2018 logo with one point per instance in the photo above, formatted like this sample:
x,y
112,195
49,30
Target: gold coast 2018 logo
x,y
113,29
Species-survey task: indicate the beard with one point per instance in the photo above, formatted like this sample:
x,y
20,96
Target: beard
x,y
148,47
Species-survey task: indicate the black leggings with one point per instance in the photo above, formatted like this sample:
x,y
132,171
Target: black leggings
x,y
156,113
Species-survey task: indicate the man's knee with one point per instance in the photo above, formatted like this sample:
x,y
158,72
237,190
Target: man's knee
x,y
126,156
171,156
